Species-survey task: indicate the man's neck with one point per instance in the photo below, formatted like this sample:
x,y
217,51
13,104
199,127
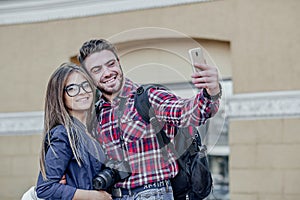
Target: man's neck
x,y
110,97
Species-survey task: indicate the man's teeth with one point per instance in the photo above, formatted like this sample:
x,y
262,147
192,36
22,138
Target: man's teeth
x,y
111,80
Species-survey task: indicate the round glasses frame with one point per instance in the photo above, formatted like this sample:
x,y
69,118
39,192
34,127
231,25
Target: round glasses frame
x,y
73,90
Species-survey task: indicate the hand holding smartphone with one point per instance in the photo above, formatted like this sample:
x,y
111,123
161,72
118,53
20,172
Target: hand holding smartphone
x,y
196,56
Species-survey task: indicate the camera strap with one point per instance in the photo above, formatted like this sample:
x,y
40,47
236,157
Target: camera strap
x,y
120,113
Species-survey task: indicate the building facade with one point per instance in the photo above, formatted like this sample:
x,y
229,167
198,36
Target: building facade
x,y
255,45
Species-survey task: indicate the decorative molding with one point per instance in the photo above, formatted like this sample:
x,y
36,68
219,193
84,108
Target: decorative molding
x,y
20,11
281,104
21,123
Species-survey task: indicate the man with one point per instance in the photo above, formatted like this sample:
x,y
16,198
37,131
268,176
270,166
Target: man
x,y
122,131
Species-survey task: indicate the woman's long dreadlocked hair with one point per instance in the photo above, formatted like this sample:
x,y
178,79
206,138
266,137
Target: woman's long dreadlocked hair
x,y
57,114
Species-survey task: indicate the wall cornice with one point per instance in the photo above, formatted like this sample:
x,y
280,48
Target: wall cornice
x,y
19,11
281,104
21,123
284,104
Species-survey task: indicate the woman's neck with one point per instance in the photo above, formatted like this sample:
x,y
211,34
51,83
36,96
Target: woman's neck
x,y
82,117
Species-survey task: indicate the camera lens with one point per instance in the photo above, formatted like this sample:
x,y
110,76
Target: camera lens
x,y
113,172
104,180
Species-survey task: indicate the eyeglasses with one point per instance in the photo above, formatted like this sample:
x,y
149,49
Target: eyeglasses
x,y
74,89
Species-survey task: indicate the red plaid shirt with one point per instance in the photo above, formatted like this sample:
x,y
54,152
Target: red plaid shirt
x,y
137,140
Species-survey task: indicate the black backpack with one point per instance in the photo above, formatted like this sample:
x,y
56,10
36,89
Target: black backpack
x,y
194,178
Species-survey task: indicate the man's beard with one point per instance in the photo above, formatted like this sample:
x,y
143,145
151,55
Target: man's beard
x,y
114,90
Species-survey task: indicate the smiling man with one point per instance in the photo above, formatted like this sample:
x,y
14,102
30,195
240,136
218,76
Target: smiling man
x,y
106,72
126,136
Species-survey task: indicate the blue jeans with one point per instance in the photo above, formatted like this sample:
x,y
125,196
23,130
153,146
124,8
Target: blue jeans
x,y
151,194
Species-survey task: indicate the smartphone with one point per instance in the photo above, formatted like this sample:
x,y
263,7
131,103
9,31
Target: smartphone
x,y
196,56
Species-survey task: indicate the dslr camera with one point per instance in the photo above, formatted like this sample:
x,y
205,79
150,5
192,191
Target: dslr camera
x,y
113,172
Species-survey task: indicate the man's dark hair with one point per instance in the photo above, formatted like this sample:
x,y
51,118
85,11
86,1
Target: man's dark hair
x,y
96,45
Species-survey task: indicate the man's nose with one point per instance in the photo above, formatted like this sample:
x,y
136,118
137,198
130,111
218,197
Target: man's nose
x,y
106,71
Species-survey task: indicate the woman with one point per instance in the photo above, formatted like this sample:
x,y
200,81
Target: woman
x,y
68,148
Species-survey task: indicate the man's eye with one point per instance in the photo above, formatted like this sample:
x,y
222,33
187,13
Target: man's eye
x,y
112,63
96,70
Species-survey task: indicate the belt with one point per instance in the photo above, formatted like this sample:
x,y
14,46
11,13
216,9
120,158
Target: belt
x,y
120,192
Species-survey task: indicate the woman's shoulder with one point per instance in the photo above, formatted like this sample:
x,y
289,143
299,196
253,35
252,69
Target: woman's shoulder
x,y
58,131
58,128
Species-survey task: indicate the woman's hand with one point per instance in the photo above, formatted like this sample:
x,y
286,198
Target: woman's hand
x,y
63,180
91,195
100,195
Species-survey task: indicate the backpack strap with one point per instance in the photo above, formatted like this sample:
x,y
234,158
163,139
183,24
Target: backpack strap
x,y
144,108
141,101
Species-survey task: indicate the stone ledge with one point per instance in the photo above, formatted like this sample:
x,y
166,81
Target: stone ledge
x,y
13,12
21,123
281,104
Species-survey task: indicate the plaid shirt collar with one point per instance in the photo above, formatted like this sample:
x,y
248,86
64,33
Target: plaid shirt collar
x,y
128,88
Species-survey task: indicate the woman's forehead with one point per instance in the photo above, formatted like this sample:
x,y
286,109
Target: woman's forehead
x,y
75,77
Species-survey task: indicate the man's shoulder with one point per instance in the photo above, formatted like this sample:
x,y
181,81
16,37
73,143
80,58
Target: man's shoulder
x,y
128,88
130,84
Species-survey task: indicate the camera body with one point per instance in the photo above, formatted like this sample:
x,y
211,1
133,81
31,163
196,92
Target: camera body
x,y
113,172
